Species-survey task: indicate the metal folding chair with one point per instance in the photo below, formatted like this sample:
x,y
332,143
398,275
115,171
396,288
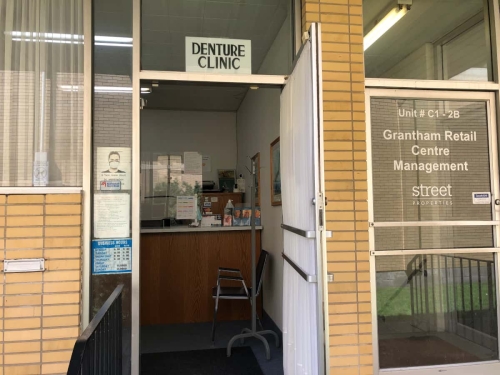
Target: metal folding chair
x,y
235,292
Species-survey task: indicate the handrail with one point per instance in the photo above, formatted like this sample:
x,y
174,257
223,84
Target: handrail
x,y
300,271
86,339
300,232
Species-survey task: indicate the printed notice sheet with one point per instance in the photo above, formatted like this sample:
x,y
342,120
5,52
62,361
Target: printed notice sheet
x,y
193,163
207,163
111,256
186,208
114,164
111,215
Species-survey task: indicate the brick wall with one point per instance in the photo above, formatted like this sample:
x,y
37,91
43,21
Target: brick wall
x,y
346,185
40,311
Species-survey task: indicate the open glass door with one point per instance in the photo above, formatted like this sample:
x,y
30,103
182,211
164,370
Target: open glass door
x,y
301,130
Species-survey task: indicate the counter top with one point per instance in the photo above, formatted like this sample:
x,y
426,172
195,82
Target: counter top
x,y
183,229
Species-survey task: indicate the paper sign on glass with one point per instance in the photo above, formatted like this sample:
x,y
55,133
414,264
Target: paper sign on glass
x,y
186,208
114,164
111,256
111,215
481,198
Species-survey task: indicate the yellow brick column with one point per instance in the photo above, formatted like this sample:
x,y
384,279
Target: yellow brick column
x,y
351,350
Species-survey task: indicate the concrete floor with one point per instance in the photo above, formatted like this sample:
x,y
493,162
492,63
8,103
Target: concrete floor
x,y
197,336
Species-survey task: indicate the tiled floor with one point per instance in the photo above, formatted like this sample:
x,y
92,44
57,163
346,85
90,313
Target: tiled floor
x,y
197,336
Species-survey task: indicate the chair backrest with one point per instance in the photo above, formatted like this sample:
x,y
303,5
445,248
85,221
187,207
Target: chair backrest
x,y
261,265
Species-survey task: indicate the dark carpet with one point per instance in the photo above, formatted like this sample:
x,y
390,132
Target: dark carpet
x,y
201,362
420,351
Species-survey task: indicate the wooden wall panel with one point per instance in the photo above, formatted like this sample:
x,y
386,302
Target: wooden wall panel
x,y
179,270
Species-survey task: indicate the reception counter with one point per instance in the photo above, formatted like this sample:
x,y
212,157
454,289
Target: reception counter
x,y
179,269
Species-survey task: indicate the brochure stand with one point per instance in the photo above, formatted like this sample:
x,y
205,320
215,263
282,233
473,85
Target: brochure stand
x,y
246,332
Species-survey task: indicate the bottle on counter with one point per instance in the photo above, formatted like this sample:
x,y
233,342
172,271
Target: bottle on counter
x,y
241,184
228,214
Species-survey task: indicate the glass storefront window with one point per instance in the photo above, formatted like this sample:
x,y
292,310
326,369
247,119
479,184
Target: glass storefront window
x,y
429,159
434,237
437,40
436,309
253,37
112,157
41,93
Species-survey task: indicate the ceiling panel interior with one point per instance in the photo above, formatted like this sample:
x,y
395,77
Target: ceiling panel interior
x,y
195,97
426,22
166,23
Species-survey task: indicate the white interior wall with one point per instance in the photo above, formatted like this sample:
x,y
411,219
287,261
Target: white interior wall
x,y
258,124
209,133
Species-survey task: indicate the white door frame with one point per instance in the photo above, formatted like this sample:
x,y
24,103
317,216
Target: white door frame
x,y
137,76
488,367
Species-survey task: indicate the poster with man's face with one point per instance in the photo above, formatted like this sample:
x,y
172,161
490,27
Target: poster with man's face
x,y
113,168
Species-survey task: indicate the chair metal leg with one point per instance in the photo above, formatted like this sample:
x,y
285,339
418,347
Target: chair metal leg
x,y
215,313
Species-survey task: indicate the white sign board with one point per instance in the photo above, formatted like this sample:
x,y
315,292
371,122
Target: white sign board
x,y
114,163
481,198
111,215
215,55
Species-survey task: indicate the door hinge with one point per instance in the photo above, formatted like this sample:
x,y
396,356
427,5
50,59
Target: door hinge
x,y
305,36
329,277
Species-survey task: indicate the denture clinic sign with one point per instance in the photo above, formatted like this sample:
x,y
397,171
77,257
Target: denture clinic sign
x,y
215,55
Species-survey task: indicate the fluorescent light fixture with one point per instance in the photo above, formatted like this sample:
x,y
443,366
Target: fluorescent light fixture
x,y
112,41
385,24
105,89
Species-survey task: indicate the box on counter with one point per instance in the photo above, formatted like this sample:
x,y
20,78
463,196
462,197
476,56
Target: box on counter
x,y
211,221
246,216
237,216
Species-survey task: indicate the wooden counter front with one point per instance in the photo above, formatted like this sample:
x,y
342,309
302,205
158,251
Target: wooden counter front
x,y
179,270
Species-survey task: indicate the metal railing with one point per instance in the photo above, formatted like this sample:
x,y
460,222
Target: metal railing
x,y
461,288
98,350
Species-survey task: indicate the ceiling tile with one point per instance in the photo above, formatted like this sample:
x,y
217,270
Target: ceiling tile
x,y
245,29
112,24
219,10
215,28
155,7
185,25
253,12
158,49
156,36
155,23
186,8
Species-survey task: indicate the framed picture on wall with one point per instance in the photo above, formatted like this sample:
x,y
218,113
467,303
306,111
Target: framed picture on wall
x,y
256,158
275,173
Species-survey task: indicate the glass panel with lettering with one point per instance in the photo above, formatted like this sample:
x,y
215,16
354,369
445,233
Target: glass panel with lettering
x,y
431,160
